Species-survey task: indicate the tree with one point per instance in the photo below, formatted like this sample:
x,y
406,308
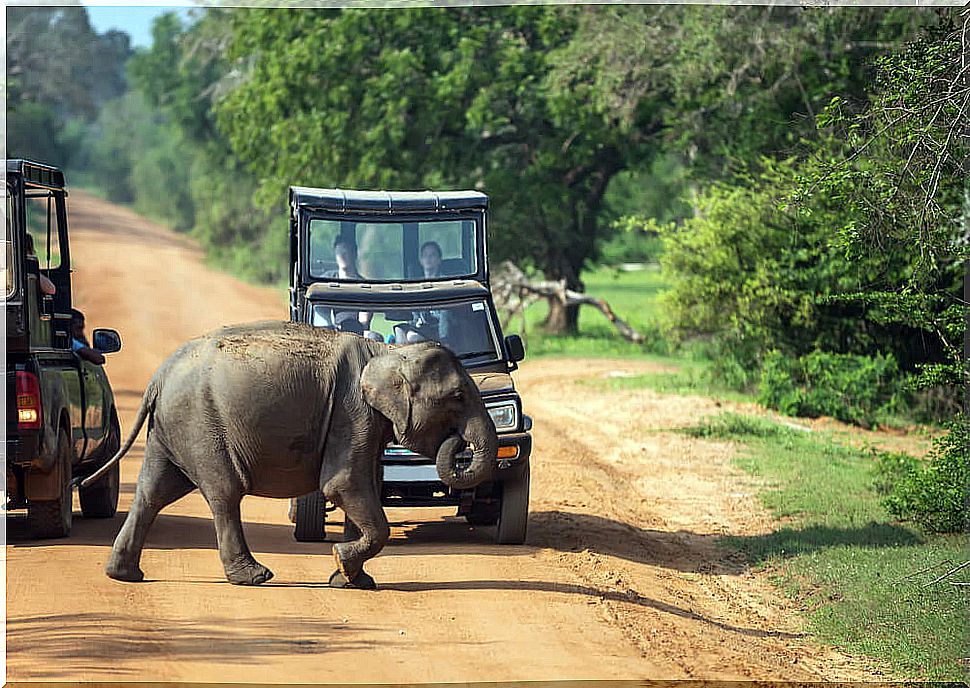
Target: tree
x,y
181,76
59,69
729,84
899,167
432,98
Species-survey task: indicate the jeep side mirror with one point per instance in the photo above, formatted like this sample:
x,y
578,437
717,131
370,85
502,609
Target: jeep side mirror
x,y
515,347
106,341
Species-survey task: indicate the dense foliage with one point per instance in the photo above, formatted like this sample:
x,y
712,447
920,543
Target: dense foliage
x,y
780,162
855,246
856,389
931,493
60,72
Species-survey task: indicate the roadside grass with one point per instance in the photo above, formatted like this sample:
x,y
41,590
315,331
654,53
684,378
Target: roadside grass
x,y
686,377
631,295
862,579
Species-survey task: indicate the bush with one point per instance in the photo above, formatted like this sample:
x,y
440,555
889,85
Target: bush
x,y
933,494
851,388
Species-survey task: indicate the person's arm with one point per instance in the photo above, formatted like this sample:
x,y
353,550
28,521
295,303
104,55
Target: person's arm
x,y
46,286
87,353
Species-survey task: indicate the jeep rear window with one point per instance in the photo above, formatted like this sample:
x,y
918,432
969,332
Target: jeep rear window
x,y
42,215
392,251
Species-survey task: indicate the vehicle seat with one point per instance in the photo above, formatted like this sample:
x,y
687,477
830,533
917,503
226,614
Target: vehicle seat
x,y
452,267
351,324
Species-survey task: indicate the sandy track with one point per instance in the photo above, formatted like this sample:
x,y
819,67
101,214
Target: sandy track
x,y
622,575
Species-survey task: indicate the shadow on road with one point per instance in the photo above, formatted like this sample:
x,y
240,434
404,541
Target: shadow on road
x,y
74,643
177,531
629,596
699,552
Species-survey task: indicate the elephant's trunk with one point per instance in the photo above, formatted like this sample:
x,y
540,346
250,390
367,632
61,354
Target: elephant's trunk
x,y
480,434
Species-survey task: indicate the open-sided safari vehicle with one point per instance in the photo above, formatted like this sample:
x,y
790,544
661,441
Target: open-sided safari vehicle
x,y
401,267
61,419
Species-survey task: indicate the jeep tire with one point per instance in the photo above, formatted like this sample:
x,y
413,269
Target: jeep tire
x,y
101,499
513,517
310,518
52,518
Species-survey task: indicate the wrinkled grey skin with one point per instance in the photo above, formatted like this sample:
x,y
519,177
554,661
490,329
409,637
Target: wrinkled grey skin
x,y
281,409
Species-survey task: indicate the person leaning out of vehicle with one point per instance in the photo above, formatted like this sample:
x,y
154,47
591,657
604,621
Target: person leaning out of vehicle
x,y
79,342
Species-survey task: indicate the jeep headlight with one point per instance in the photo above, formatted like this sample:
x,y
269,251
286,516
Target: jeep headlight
x,y
504,416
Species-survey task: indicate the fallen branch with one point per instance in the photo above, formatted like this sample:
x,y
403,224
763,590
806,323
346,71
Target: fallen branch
x,y
510,281
928,568
947,574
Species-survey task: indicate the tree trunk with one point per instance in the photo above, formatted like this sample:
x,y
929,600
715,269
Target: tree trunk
x,y
562,319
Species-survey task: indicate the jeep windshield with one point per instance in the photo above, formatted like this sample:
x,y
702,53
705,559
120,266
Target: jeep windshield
x,y
464,327
374,250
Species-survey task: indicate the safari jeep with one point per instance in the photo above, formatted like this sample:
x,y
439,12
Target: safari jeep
x,y
61,418
402,267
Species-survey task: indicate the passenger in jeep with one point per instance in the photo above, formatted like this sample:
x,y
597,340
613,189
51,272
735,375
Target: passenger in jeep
x,y
430,257
345,253
79,343
429,324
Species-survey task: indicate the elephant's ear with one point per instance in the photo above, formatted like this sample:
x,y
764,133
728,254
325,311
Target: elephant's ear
x,y
386,390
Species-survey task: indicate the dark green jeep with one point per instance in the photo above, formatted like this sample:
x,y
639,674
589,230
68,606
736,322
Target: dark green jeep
x,y
61,419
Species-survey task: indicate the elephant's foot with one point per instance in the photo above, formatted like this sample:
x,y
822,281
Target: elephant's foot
x,y
250,573
363,581
341,579
121,571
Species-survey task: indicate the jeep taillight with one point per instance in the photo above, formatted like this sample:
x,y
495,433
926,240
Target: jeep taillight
x,y
28,401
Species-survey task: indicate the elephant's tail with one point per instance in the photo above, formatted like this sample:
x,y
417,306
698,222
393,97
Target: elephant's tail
x,y
146,408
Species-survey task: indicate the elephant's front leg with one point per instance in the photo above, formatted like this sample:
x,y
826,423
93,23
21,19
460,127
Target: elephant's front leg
x,y
240,566
363,508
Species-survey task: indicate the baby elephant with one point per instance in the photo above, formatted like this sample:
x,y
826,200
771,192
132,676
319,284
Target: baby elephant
x,y
280,409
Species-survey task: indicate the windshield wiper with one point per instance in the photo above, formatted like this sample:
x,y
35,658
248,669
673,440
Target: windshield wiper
x,y
475,354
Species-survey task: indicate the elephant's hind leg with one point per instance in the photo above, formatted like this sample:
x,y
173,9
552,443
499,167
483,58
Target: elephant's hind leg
x,y
240,566
160,483
365,512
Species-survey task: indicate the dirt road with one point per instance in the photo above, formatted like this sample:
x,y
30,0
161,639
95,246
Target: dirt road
x,y
622,575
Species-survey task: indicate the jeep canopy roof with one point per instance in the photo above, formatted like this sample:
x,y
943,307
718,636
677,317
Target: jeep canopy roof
x,y
341,235
347,200
36,173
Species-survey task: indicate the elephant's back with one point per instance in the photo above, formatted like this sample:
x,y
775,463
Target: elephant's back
x,y
263,391
275,338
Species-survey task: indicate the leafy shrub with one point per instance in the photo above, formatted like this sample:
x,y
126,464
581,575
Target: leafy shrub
x,y
848,387
891,468
933,494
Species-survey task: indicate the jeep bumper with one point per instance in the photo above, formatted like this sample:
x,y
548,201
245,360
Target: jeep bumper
x,y
24,450
415,482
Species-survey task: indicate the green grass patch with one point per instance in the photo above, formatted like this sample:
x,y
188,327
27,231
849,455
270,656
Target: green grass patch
x,y
860,575
686,377
631,295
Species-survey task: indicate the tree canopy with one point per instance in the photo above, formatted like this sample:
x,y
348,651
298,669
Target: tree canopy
x,y
59,70
542,107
